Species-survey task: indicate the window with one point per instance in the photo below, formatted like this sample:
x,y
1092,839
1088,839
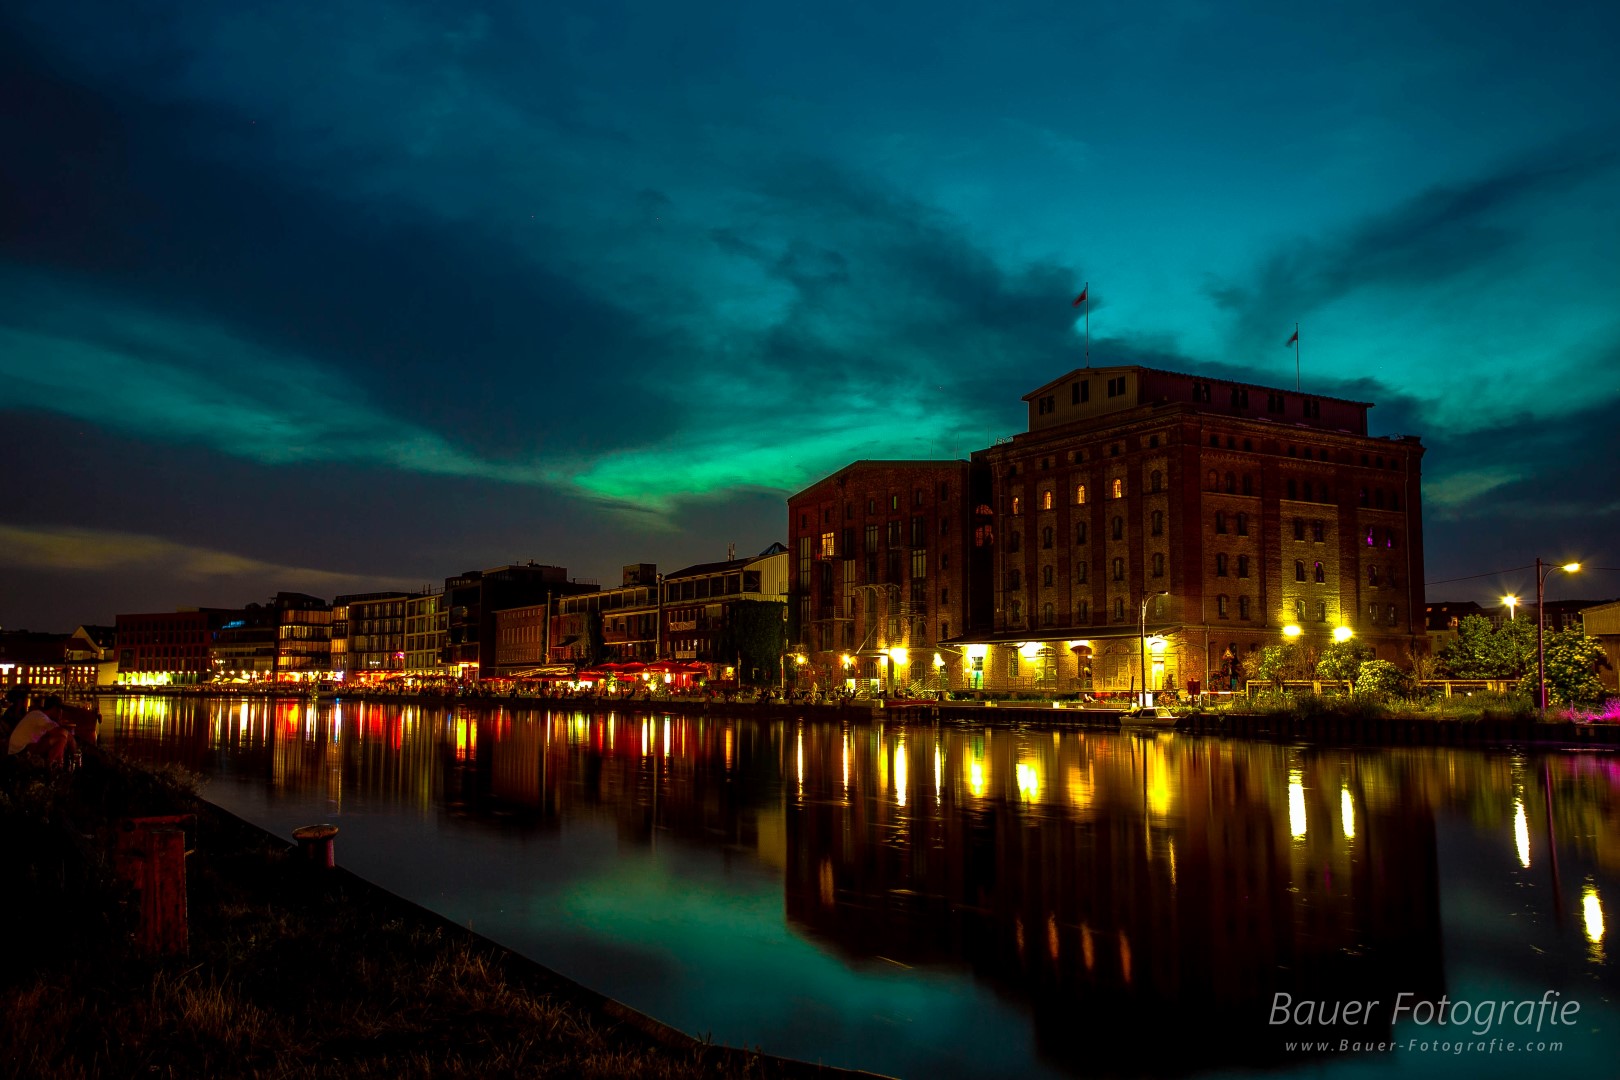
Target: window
x,y
1046,576
894,502
1017,506
894,534
1119,610
1214,479
1316,532
1243,566
804,521
1119,528
1220,522
1013,542
1014,580
1392,614
1119,569
1307,494
1363,496
1153,442
828,545
1080,392
1082,611
1116,489
1158,564
1231,484
1156,481
944,597
1220,565
1372,575
1321,611
944,526
919,566
1321,575
1248,478
1046,499
1243,524
1116,386
1046,615
1080,495
1046,537
1220,607
1378,498
1157,526
944,490
1299,570
1293,490
919,532
1015,613
1080,533
1243,607
1080,572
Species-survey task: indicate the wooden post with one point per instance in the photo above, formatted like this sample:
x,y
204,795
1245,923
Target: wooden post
x,y
150,854
316,845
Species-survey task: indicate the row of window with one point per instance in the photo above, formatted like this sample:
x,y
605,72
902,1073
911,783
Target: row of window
x,y
919,497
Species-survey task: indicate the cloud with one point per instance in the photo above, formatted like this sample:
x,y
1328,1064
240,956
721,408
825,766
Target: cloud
x,y
92,551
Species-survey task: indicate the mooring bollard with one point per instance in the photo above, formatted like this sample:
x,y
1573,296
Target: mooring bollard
x,y
315,843
150,854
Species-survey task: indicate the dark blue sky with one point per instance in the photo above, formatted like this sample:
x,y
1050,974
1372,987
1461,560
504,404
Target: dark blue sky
x,y
327,296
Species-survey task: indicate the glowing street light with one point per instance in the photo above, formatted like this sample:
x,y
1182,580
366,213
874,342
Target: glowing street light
x,y
1342,633
1291,631
1541,626
1512,603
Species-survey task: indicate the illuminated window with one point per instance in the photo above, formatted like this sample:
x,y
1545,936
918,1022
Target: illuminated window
x,y
894,502
1017,506
1321,611
1220,607
1321,575
1046,500
1116,488
828,545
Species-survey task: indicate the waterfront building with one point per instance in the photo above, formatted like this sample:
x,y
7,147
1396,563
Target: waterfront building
x,y
425,622
880,574
368,635
1216,512
42,662
97,645
472,599
1602,621
520,641
609,626
286,640
729,615
169,647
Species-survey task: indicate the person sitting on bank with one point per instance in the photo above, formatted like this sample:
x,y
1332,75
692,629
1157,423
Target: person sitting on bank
x,y
16,708
40,734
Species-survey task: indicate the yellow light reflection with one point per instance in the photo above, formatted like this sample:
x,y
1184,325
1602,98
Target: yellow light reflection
x,y
1052,936
1521,832
1028,776
1347,814
728,749
846,761
666,738
975,777
1592,913
1296,803
900,770
1087,950
1125,957
939,770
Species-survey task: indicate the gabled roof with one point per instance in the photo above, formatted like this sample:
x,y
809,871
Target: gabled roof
x,y
703,569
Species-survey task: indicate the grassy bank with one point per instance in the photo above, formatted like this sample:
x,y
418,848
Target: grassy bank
x,y
291,971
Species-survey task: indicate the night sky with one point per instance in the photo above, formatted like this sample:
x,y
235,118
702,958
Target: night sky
x,y
342,296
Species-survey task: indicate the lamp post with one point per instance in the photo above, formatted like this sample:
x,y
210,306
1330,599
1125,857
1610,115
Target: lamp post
x,y
1146,700
1512,603
1541,626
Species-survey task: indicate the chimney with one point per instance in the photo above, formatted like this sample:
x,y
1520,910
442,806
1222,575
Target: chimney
x,y
731,552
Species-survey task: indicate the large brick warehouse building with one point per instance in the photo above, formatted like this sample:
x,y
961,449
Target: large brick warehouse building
x,y
1144,518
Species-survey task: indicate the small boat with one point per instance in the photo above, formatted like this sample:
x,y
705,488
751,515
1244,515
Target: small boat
x,y
1150,717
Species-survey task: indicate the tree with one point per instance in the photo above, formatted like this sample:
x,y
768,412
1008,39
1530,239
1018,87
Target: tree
x,y
1279,662
595,639
1481,652
754,638
1342,660
1379,678
1573,661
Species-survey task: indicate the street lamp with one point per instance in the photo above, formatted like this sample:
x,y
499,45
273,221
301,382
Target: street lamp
x,y
1342,634
1541,626
1146,700
1512,603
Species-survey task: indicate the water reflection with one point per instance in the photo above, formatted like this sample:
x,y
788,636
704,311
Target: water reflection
x,y
1072,893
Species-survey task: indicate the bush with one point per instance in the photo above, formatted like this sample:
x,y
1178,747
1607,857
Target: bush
x,y
1379,678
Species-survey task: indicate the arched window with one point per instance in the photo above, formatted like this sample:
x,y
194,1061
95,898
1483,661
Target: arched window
x,y
1321,611
1220,565
1242,524
1080,532
1014,579
1158,564
1214,480
1015,611
1392,614
1116,488
1299,611
1299,570
1299,528
1158,523
1243,566
1119,569
1292,492
1119,528
1220,521
1046,537
1243,607
1119,610
1372,575
1046,500
1158,480
1231,484
1080,572
1220,607
1321,575
1248,478
1046,576
1082,611
1013,542
1046,615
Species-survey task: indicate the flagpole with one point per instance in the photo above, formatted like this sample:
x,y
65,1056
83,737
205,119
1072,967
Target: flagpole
x,y
1088,323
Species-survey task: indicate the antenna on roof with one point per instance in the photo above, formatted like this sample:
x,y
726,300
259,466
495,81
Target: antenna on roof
x,y
731,552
